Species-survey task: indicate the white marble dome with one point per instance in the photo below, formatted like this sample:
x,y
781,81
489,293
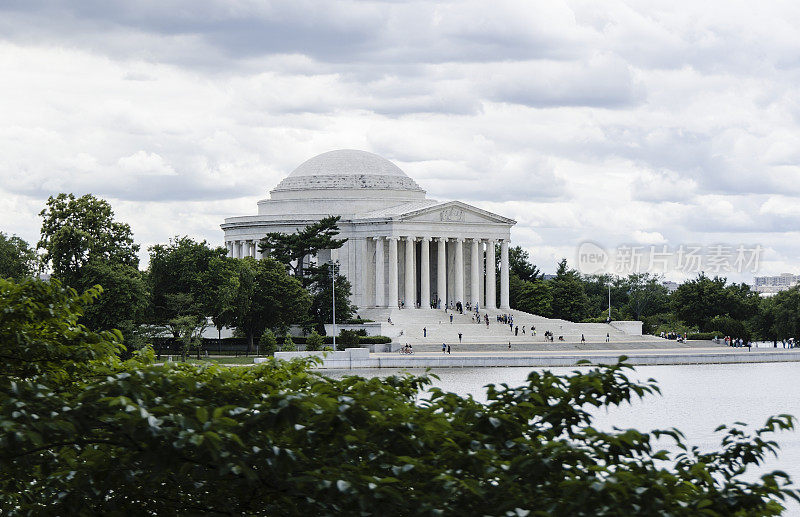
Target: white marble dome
x,y
347,169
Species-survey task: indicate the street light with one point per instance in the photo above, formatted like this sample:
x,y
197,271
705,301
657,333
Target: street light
x,y
334,265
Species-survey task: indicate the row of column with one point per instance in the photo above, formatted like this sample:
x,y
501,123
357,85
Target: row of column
x,y
476,269
244,248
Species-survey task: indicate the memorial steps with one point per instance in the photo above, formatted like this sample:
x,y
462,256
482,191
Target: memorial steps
x,y
408,324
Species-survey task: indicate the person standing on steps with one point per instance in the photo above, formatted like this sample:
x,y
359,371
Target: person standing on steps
x,y
424,331
459,337
444,348
608,338
451,319
448,349
583,339
516,331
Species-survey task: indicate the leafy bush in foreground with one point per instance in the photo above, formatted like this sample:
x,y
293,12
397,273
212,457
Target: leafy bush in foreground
x,y
133,438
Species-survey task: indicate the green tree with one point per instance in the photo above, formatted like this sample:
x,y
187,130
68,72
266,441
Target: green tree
x,y
190,278
321,290
76,231
123,303
697,301
569,299
288,344
268,343
40,333
267,297
646,295
519,264
784,313
291,249
531,297
17,258
314,341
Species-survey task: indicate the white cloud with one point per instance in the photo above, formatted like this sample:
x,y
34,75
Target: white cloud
x,y
605,121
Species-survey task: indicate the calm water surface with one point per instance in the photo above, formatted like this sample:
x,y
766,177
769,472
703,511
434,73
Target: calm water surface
x,y
694,398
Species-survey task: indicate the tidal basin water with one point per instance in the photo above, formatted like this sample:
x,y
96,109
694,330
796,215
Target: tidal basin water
x,y
694,398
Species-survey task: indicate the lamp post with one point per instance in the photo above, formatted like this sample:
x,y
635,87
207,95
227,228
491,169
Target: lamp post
x,y
608,319
334,265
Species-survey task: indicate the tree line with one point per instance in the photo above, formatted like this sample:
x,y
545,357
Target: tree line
x,y
187,283
704,304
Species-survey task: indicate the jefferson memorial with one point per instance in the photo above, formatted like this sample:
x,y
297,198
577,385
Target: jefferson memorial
x,y
402,248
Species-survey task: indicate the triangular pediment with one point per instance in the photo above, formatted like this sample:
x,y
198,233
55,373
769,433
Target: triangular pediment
x,y
454,212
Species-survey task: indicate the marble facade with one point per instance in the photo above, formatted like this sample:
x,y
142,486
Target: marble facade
x,y
401,248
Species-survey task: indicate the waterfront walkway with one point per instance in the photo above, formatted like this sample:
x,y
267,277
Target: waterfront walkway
x,y
361,358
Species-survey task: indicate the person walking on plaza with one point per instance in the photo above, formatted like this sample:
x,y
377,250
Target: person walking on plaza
x,y
444,348
516,331
424,331
583,339
608,338
459,337
451,319
448,349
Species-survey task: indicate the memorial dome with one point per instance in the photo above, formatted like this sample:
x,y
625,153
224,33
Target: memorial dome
x,y
347,169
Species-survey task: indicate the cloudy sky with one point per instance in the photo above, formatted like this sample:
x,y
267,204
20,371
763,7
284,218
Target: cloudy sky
x,y
638,124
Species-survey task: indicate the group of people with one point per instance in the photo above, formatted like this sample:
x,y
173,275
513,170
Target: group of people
x,y
674,335
407,349
736,342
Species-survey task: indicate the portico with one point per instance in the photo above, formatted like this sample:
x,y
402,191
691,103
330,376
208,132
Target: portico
x,y
402,249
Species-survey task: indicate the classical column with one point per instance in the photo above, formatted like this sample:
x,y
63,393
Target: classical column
x,y
380,298
474,288
364,260
504,274
251,248
424,273
238,246
459,270
441,271
393,299
411,281
229,247
491,276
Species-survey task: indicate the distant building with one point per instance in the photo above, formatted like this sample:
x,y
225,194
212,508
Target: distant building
x,y
548,277
670,285
776,283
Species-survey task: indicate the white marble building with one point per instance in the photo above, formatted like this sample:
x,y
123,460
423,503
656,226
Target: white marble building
x,y
401,247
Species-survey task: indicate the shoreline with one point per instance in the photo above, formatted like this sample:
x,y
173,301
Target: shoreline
x,y
357,358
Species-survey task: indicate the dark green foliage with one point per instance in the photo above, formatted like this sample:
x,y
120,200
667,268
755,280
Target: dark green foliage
x,y
267,343
291,248
123,303
727,326
314,342
531,297
697,301
321,289
76,231
103,437
347,338
782,314
569,298
519,264
40,333
705,335
267,297
288,344
17,259
190,278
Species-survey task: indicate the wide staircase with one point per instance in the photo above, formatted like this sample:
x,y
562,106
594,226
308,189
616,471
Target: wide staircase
x,y
427,329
